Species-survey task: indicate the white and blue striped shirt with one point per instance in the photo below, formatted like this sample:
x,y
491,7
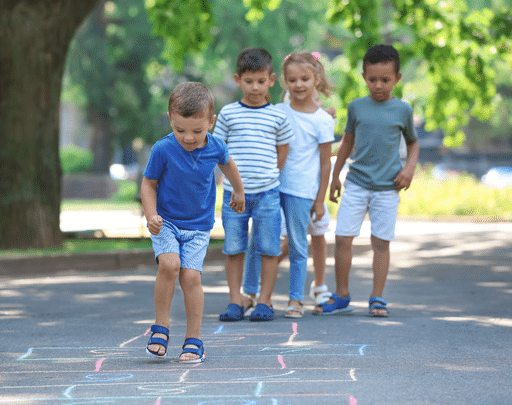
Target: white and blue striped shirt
x,y
252,135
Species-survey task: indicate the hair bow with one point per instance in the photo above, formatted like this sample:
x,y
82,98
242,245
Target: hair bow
x,y
315,55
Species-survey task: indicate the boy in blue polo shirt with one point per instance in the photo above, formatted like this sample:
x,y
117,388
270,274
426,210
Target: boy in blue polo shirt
x,y
178,196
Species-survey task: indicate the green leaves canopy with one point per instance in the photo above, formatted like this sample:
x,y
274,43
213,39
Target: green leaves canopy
x,y
455,50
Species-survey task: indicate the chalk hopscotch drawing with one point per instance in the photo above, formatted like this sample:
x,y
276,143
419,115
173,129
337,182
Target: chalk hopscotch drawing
x,y
95,375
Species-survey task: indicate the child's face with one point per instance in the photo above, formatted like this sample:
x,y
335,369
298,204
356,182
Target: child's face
x,y
380,79
301,82
190,132
255,86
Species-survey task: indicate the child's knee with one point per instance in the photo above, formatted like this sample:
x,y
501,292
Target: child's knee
x,y
169,265
190,279
380,245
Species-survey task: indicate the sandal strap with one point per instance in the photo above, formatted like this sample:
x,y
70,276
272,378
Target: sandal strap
x,y
192,341
317,289
157,341
160,329
323,297
379,300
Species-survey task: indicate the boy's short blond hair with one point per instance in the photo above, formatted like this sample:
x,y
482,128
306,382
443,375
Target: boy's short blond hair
x,y
190,99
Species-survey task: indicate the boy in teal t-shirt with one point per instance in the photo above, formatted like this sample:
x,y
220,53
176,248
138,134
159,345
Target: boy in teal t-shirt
x,y
375,125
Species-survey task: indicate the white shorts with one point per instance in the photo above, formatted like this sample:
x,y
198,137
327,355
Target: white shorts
x,y
357,201
314,228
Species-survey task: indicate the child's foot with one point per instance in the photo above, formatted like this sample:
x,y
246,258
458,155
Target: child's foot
x,y
193,351
378,307
319,294
157,348
248,303
157,344
295,309
336,304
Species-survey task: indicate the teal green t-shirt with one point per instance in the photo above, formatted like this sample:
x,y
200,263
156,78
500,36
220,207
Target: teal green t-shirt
x,y
377,127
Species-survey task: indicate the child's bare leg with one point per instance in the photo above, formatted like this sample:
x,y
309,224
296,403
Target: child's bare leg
x,y
342,264
269,267
381,258
190,282
168,270
284,249
234,275
319,246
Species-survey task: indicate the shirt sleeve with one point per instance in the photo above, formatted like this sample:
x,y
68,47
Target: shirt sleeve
x,y
221,127
224,153
409,131
326,128
284,132
155,166
350,128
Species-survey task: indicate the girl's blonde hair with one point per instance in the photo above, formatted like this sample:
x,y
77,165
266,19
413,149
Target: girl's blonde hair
x,y
313,59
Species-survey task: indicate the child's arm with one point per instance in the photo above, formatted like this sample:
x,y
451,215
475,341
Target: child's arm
x,y
404,178
282,153
325,170
347,143
237,196
148,196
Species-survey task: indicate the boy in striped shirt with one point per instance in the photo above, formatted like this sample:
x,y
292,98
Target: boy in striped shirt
x,y
258,136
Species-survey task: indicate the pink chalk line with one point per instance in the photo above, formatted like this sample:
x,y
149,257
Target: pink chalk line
x,y
98,364
353,401
158,401
149,330
294,328
281,361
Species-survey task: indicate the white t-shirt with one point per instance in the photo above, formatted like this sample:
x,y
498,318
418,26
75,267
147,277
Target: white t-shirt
x,y
300,175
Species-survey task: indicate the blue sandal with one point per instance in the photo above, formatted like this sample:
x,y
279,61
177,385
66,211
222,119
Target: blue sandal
x,y
233,313
199,351
262,312
378,303
338,306
158,341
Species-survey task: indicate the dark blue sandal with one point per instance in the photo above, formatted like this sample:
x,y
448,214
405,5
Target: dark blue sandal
x,y
199,350
338,306
233,313
262,312
378,303
158,341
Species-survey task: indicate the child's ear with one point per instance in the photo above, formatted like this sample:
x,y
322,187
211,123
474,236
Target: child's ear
x,y
237,79
272,79
212,122
398,76
169,116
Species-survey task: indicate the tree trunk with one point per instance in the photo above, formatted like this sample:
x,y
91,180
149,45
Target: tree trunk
x,y
34,38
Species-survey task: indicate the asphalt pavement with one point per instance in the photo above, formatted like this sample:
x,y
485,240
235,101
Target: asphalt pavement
x,y
78,337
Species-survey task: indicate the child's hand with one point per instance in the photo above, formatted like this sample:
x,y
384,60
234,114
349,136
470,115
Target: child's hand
x,y
403,180
155,224
335,191
237,202
317,211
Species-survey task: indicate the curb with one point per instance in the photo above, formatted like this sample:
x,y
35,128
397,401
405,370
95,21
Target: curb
x,y
108,261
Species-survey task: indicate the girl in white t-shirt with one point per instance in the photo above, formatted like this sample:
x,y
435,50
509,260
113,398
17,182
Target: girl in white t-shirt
x,y
305,176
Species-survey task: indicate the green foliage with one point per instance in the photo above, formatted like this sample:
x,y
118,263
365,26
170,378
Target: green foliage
x,y
185,25
457,48
127,191
460,196
74,159
76,246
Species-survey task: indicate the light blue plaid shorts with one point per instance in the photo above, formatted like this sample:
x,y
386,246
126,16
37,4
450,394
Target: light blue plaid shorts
x,y
190,245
